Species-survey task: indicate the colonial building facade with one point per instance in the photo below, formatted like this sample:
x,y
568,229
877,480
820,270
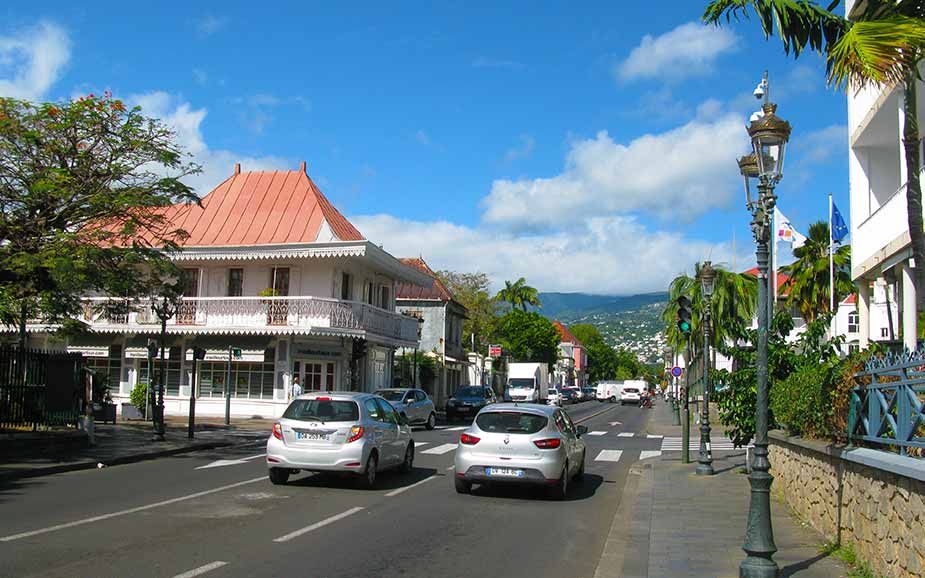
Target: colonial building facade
x,y
572,366
279,286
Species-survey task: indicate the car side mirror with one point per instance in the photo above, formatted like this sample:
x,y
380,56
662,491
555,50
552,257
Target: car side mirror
x,y
582,430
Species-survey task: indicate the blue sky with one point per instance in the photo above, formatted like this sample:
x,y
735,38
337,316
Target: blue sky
x,y
588,148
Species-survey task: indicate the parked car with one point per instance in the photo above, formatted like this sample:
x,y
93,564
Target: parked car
x,y
589,392
554,397
568,395
579,396
521,444
360,433
468,400
608,391
414,404
630,394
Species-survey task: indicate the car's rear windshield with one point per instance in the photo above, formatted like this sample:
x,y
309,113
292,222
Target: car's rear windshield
x,y
322,410
471,392
510,422
391,394
631,390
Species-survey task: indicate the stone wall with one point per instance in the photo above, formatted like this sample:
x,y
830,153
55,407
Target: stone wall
x,y
869,500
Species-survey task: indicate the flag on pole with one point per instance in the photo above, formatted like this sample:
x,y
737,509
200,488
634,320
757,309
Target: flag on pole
x,y
839,227
785,232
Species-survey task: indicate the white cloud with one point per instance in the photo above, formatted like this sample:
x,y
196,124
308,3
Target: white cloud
x,y
210,24
32,60
555,261
522,150
681,173
821,145
186,121
688,50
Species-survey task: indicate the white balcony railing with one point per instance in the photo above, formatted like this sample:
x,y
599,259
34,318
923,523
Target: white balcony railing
x,y
882,227
270,313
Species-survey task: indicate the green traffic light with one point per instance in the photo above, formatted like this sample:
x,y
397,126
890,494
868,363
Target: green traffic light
x,y
685,326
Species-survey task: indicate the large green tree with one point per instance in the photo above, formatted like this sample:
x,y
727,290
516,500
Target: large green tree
x,y
882,44
605,362
808,281
519,294
83,187
528,336
471,290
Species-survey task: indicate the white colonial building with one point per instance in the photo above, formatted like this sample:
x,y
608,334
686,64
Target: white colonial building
x,y
880,244
278,281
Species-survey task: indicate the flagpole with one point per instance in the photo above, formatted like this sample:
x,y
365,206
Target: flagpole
x,y
832,274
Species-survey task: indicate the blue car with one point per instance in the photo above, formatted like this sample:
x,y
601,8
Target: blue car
x,y
468,400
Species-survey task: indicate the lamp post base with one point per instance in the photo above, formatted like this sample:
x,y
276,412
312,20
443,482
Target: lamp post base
x,y
675,412
704,470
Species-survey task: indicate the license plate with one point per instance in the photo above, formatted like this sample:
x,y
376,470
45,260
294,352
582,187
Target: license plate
x,y
505,472
311,435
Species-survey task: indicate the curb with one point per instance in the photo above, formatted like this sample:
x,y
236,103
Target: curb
x,y
118,461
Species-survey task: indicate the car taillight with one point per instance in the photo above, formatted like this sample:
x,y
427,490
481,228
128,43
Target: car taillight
x,y
550,444
356,432
278,431
469,440
323,398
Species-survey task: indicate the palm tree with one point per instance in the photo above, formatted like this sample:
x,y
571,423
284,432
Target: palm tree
x,y
882,44
808,282
520,294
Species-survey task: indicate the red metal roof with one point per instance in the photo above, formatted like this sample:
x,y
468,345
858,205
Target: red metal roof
x,y
261,208
437,291
565,335
781,280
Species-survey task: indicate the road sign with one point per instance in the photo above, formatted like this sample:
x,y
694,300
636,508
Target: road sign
x,y
676,371
236,352
494,351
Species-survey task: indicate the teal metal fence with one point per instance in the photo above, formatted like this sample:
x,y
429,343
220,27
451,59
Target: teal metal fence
x,y
889,409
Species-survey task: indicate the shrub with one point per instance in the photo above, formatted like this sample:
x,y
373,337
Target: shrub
x,y
803,401
137,397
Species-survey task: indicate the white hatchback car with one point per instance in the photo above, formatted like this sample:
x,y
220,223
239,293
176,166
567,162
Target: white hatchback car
x,y
360,433
630,395
521,444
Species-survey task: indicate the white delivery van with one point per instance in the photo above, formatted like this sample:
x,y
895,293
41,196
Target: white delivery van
x,y
608,391
527,382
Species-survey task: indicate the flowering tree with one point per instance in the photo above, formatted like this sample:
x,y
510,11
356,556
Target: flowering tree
x,y
84,187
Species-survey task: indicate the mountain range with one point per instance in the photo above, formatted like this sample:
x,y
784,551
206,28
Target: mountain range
x,y
571,306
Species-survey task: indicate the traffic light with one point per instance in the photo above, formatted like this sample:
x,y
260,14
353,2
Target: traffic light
x,y
684,314
199,353
152,348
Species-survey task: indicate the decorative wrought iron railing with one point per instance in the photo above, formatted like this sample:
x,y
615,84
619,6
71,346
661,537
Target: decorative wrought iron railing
x,y
256,312
890,410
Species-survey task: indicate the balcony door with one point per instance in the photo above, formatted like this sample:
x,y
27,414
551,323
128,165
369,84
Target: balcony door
x,y
186,314
278,309
315,375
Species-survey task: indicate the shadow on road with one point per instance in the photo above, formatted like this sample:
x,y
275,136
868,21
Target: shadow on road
x,y
792,569
576,491
386,481
10,488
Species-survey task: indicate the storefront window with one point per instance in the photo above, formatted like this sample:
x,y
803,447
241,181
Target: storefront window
x,y
250,380
108,368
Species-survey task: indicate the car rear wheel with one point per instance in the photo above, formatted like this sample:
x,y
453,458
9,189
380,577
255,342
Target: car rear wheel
x,y
580,474
560,489
368,477
279,476
613,399
462,486
432,421
408,463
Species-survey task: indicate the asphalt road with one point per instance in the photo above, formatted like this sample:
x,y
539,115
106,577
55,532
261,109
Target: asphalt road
x,y
173,517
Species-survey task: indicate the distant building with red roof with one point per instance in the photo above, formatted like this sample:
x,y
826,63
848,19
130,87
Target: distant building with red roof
x,y
572,368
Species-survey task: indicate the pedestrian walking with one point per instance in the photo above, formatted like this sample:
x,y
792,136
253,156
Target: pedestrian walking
x,y
296,387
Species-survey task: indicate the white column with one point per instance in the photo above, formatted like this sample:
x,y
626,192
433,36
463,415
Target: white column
x,y
863,313
910,327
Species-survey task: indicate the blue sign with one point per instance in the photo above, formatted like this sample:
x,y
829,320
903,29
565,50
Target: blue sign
x,y
676,371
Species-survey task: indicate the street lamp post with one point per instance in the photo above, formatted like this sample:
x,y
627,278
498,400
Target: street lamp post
x,y
769,135
707,277
164,307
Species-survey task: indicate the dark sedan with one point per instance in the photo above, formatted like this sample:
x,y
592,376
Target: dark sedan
x,y
568,395
468,401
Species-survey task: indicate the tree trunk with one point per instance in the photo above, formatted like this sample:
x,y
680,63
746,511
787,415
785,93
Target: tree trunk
x,y
914,189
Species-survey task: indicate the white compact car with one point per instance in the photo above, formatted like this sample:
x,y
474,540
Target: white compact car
x,y
360,433
521,444
630,394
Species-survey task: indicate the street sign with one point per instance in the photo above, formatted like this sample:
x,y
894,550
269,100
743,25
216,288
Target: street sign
x,y
236,352
676,371
494,351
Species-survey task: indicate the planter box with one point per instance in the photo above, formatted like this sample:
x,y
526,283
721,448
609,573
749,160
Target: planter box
x,y
129,411
104,412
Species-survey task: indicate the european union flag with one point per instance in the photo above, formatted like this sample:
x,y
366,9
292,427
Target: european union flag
x,y
839,228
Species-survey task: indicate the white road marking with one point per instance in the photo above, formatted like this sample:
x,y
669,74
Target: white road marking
x,y
406,488
626,434
441,427
202,570
616,423
220,463
317,525
646,454
654,437
674,444
129,511
457,428
597,433
440,450
609,456
419,444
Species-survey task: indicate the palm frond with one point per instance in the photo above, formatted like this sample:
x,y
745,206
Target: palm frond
x,y
879,51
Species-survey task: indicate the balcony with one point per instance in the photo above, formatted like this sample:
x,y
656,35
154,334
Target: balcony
x,y
253,315
885,225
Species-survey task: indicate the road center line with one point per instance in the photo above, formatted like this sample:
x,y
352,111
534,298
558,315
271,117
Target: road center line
x,y
317,525
202,570
406,488
129,511
252,457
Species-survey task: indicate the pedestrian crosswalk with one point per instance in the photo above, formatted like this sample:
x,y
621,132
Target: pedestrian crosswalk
x,y
675,444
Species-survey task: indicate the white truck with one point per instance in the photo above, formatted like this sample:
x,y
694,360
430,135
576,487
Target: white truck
x,y
527,382
609,391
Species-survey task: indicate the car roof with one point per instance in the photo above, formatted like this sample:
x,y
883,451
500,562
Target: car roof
x,y
339,395
538,409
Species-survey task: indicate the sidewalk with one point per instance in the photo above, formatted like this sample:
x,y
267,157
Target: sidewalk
x,y
683,525
127,442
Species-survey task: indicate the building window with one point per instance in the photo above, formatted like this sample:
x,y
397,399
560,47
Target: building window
x,y
884,332
235,282
279,280
249,380
173,365
368,294
853,322
346,286
107,368
384,297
